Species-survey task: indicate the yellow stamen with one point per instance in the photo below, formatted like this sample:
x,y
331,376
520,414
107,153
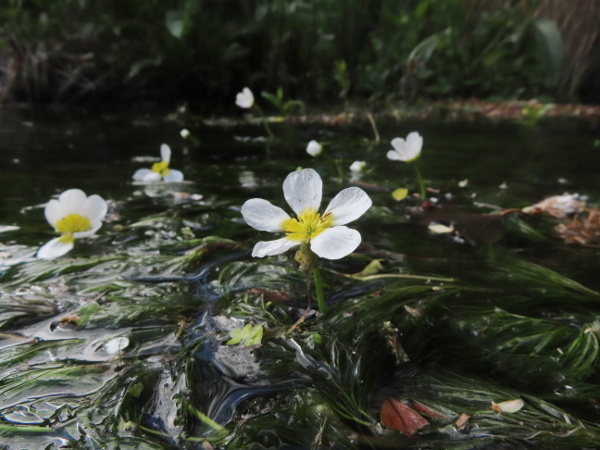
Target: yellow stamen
x,y
67,238
73,223
308,225
161,167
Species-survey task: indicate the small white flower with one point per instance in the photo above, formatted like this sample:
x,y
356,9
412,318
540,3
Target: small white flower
x,y
314,148
326,234
185,133
73,215
245,99
160,170
406,150
357,166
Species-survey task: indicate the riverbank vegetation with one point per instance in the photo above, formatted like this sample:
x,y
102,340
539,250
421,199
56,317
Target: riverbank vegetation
x,y
203,51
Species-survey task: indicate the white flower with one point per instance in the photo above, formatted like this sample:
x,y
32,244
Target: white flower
x,y
357,166
185,133
314,148
73,215
326,234
406,150
160,170
245,99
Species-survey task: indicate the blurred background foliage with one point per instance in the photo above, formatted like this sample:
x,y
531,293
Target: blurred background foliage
x,y
204,51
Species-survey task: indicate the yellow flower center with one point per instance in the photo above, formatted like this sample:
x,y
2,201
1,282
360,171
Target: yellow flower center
x,y
73,223
67,238
161,167
308,225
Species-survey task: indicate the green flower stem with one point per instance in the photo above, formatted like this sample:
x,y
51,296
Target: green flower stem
x,y
319,289
264,120
338,166
419,178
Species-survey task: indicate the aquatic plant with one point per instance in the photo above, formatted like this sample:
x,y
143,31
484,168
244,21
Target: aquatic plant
x,y
321,235
74,215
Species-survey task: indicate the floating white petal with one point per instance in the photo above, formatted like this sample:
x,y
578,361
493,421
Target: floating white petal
x,y
303,189
335,243
272,248
54,249
263,215
348,205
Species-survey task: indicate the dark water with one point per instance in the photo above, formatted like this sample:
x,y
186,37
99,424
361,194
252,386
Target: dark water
x,y
146,282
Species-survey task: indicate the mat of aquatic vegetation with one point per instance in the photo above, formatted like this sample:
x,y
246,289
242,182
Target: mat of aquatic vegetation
x,y
125,342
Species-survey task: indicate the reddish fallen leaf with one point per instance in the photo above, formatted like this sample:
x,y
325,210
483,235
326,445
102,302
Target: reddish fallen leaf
x,y
397,415
462,421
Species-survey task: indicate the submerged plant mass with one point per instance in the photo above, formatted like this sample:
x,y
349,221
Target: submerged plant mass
x,y
464,319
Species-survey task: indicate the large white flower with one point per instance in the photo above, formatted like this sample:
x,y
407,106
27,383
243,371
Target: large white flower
x,y
245,99
326,234
160,170
406,150
73,215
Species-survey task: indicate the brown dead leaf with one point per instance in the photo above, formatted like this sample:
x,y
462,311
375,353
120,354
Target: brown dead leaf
x,y
397,415
582,229
271,295
462,421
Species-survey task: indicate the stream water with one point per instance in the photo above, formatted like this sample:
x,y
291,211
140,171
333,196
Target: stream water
x,y
499,309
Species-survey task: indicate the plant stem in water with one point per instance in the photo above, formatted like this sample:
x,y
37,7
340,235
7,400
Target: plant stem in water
x,y
419,179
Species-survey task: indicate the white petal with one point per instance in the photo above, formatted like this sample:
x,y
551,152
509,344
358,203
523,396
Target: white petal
x,y
141,174
71,202
314,148
174,176
263,215
348,205
95,227
165,153
54,249
52,212
303,189
94,208
335,243
272,248
415,142
394,155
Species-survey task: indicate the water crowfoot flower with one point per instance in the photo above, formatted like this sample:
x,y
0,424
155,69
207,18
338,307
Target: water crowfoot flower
x,y
409,151
73,215
318,234
245,99
160,170
326,233
406,150
314,148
